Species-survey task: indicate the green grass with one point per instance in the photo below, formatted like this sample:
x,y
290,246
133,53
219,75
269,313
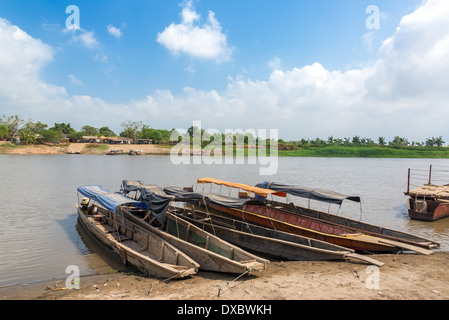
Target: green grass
x,y
374,151
368,152
9,146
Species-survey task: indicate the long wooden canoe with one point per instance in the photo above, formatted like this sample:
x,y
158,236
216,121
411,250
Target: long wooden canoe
x,y
137,246
268,242
321,225
357,226
334,225
320,231
210,251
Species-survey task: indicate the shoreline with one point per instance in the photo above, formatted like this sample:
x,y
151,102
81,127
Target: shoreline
x,y
79,148
150,149
404,277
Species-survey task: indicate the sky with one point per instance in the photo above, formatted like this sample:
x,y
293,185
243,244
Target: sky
x,y
307,68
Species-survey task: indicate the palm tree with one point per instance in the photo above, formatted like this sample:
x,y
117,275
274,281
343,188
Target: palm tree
x,y
439,141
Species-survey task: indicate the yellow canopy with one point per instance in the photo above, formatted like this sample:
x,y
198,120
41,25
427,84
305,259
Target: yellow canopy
x,y
259,191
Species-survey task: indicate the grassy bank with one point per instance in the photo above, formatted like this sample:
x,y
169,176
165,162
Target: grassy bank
x,y
368,152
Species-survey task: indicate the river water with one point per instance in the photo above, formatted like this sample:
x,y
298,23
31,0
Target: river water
x,y
39,236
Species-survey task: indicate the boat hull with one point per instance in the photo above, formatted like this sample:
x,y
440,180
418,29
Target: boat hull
x,y
211,252
267,242
360,226
130,255
427,210
357,242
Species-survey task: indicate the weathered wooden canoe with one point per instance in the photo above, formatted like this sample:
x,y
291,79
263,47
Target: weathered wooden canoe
x,y
268,242
330,228
328,196
137,246
357,226
210,251
342,235
356,241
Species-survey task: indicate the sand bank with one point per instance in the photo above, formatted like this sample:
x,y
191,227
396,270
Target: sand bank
x,y
79,148
404,277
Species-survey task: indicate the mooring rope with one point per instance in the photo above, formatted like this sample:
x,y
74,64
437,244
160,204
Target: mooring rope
x,y
228,283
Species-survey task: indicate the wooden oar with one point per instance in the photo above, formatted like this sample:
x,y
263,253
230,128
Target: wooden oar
x,y
365,258
406,246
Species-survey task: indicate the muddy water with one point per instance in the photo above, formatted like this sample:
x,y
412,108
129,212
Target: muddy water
x,y
39,236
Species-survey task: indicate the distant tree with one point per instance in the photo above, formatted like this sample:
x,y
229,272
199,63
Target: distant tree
x,y
330,140
318,142
439,141
31,133
367,141
64,128
381,141
356,141
105,131
52,135
131,129
431,142
398,141
12,125
89,131
3,132
76,135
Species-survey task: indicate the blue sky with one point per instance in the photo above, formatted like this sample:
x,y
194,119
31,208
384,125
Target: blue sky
x,y
127,62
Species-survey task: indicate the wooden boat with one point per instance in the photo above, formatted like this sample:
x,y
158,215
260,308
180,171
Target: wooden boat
x,y
357,239
115,152
135,245
357,226
211,252
429,202
267,242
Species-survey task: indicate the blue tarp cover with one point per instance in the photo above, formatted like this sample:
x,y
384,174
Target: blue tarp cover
x,y
108,199
92,191
113,200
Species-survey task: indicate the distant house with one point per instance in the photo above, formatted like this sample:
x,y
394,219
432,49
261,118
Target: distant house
x,y
118,140
91,139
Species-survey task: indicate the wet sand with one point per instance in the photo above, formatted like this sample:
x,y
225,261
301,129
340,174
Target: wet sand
x,y
403,277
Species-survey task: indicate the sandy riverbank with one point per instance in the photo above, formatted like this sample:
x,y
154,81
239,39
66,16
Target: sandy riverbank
x,y
404,277
81,148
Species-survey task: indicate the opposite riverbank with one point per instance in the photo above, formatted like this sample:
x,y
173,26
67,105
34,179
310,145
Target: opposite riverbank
x,y
403,277
316,152
79,148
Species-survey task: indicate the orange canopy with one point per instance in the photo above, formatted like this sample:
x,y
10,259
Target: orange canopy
x,y
259,191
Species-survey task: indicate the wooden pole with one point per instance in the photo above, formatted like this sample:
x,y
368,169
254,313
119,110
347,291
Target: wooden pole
x,y
408,182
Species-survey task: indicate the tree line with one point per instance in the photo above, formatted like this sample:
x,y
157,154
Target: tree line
x,y
359,141
15,129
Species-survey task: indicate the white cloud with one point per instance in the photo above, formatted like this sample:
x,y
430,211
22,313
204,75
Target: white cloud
x,y
21,60
113,31
74,80
404,92
206,41
275,63
84,37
